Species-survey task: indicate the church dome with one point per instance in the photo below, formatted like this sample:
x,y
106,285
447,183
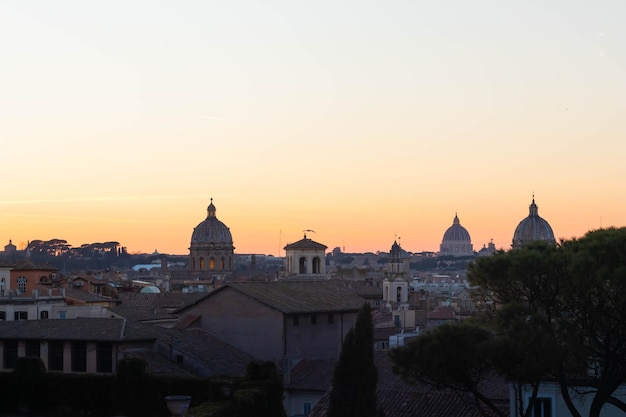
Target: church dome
x,y
456,240
211,230
532,228
395,248
456,232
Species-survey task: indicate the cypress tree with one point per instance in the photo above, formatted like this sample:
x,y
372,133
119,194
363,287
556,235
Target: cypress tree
x,y
355,376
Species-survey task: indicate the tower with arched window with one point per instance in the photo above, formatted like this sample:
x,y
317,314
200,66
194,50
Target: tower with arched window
x,y
396,282
305,258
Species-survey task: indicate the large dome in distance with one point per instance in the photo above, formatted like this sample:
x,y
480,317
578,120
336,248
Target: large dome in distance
x,y
532,228
211,247
211,230
456,240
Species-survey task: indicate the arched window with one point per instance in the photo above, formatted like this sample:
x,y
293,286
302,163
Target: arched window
x,y
21,284
202,264
212,263
222,263
316,265
193,264
399,294
302,267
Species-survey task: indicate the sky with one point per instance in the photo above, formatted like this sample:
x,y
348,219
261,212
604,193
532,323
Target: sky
x,y
365,121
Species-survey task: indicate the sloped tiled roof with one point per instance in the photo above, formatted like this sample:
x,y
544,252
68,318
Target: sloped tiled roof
x,y
164,300
141,313
84,329
28,265
442,313
87,297
312,375
400,399
298,297
158,364
407,403
305,243
202,354
217,357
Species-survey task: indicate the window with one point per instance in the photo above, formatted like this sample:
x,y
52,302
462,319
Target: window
x,y
306,408
79,356
10,354
20,315
296,320
55,356
61,314
302,266
211,263
21,284
542,407
316,265
104,357
3,315
313,318
331,319
33,348
43,314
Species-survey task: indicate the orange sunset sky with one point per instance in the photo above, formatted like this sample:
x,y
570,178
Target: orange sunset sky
x,y
365,121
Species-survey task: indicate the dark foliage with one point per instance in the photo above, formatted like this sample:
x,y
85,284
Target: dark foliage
x,y
355,376
551,312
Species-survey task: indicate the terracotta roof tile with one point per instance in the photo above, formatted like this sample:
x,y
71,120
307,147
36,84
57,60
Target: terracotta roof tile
x,y
400,399
312,375
305,244
307,296
87,329
295,297
215,356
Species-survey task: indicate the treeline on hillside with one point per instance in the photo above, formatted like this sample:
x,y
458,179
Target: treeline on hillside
x,y
68,263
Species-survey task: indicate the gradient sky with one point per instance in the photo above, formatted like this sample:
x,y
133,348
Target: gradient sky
x,y
365,121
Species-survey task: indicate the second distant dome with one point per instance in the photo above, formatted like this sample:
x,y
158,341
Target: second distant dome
x,y
456,241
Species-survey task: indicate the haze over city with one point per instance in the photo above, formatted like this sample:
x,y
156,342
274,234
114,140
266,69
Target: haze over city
x,y
363,121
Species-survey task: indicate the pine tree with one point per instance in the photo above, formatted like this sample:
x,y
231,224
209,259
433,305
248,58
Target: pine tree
x,y
355,375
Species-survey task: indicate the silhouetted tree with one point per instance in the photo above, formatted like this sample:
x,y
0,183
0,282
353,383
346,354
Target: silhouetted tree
x,y
551,313
355,376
